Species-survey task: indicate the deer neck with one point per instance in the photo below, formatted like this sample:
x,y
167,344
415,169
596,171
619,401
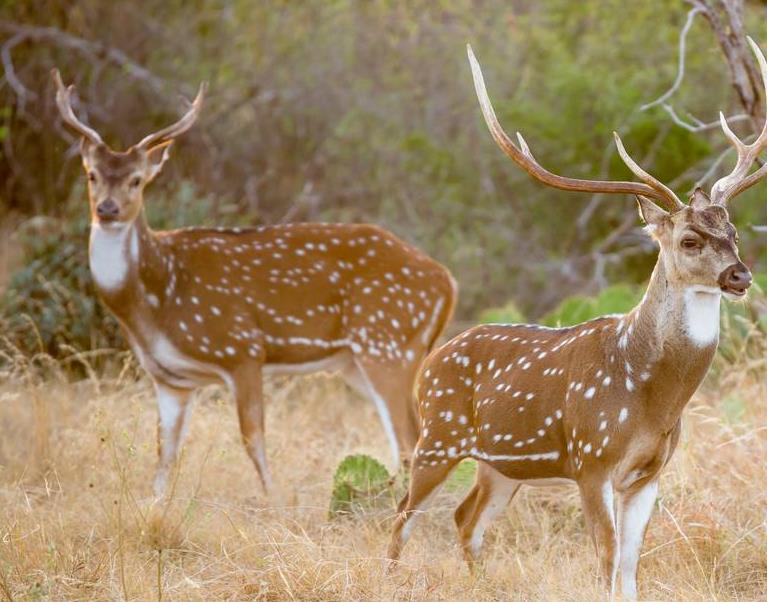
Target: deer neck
x,y
668,341
127,265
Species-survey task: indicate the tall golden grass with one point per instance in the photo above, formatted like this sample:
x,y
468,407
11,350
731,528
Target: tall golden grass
x,y
78,522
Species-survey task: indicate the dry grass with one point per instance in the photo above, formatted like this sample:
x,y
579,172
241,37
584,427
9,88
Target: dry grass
x,y
78,523
10,251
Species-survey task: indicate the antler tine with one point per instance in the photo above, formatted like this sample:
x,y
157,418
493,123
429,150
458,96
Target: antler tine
x,y
523,157
181,126
646,177
731,185
64,103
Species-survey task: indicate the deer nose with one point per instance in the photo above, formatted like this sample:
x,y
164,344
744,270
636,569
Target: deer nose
x,y
107,209
736,277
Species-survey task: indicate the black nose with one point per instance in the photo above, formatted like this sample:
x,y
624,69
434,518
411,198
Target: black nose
x,y
107,209
736,277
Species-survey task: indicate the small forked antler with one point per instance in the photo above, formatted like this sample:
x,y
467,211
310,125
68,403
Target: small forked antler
x,y
64,103
522,156
738,180
181,126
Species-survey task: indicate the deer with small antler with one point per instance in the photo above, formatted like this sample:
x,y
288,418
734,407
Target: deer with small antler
x,y
218,305
599,403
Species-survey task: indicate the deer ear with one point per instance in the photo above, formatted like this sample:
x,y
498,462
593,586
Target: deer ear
x,y
652,215
156,158
699,199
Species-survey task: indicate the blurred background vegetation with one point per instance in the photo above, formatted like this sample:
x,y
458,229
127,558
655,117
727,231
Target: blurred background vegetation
x,y
350,110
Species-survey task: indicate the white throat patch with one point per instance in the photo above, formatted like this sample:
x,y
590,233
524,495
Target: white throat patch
x,y
701,315
109,255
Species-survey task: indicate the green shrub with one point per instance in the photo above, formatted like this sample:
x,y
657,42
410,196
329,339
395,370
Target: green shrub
x,y
50,303
508,314
360,483
619,298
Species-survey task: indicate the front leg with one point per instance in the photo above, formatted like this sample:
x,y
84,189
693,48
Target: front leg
x,y
636,507
174,406
598,499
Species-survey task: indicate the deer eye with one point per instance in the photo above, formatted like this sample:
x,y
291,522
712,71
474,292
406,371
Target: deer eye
x,y
691,243
91,176
134,182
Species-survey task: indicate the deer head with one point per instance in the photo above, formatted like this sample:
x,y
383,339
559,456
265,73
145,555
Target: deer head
x,y
698,244
116,180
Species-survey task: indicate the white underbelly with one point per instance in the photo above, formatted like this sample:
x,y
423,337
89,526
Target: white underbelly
x,y
165,362
334,363
548,482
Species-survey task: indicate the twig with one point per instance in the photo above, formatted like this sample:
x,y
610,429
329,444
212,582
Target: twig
x,y
700,126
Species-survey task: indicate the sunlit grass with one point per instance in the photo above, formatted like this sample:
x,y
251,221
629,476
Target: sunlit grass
x,y
77,519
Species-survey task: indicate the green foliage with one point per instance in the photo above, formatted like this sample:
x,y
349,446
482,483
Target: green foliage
x,y
462,477
508,314
50,303
615,299
360,482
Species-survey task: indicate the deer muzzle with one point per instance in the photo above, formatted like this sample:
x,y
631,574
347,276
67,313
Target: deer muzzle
x,y
107,210
735,279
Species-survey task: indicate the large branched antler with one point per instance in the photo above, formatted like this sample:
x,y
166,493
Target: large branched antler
x,y
731,185
522,156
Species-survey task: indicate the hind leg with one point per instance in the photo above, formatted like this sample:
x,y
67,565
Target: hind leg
x,y
490,495
247,388
391,389
425,479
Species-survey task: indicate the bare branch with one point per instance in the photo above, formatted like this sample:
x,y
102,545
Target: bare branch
x,y
732,40
680,72
10,71
57,37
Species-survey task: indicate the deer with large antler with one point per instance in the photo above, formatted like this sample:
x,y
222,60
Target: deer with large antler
x,y
599,403
201,305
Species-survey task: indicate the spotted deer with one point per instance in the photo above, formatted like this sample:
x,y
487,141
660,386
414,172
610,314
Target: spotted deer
x,y
598,403
226,305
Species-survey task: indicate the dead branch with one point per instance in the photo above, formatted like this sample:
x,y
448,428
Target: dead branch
x,y
680,71
727,24
93,50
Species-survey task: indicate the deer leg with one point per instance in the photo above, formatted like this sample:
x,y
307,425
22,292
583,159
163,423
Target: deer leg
x,y
174,406
635,509
247,385
490,495
392,393
598,499
425,480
